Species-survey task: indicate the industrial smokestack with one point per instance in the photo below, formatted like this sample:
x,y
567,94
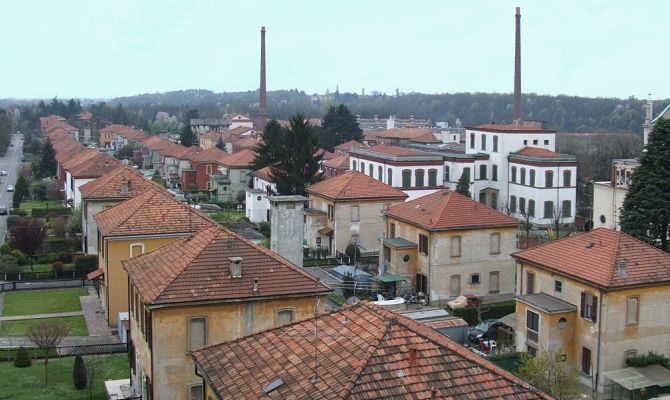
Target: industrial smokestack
x,y
517,68
263,101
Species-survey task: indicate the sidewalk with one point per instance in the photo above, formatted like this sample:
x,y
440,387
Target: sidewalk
x,y
96,322
16,341
41,316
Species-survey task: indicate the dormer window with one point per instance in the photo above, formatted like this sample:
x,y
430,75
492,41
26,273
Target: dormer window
x,y
235,267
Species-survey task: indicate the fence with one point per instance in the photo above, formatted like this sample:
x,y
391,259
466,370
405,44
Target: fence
x,y
68,351
43,284
45,275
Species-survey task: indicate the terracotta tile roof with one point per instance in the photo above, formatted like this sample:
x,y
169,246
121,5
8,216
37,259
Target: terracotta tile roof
x,y
66,150
594,257
442,323
538,152
264,174
84,116
155,142
246,142
395,151
95,167
240,130
125,132
340,161
241,159
325,154
364,352
445,209
196,154
196,268
511,128
346,146
175,151
354,185
240,117
111,185
419,135
226,137
79,157
153,212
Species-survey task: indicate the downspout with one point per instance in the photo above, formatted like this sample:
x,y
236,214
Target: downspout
x,y
600,321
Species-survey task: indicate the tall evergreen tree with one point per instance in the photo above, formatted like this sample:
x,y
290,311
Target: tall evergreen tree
x,y
463,185
187,137
48,165
339,126
298,163
646,209
21,191
267,151
5,131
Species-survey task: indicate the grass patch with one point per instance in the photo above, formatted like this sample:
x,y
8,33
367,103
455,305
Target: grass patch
x,y
227,216
77,326
44,267
337,299
29,205
28,383
46,301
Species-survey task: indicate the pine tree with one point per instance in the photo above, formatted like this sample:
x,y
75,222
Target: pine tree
x,y
339,126
186,138
267,151
21,191
22,359
79,374
646,209
48,165
463,185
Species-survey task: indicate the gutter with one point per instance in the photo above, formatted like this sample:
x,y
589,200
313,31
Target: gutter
x,y
600,321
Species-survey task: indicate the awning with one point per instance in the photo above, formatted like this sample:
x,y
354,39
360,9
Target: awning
x,y
509,320
95,274
326,231
387,278
633,378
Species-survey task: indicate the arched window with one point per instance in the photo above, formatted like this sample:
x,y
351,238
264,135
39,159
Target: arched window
x,y
523,176
380,173
406,178
513,175
549,179
446,173
531,177
418,182
567,178
389,177
432,177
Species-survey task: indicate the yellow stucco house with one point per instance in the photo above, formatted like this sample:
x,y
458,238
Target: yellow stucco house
x,y
134,227
204,289
445,244
596,299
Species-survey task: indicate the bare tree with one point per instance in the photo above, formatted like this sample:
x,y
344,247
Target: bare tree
x,y
557,221
526,224
47,335
94,367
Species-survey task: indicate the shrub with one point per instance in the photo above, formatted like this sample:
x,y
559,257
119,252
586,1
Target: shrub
x,y
22,359
86,263
5,249
38,190
64,256
50,212
20,258
18,211
489,311
59,226
79,373
353,252
48,258
11,220
55,245
648,359
57,266
264,228
8,264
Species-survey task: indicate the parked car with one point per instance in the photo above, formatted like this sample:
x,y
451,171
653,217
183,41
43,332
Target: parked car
x,y
10,188
3,173
487,329
3,211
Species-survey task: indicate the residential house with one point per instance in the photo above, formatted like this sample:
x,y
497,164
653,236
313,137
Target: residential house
x,y
239,121
200,126
358,352
88,169
447,244
596,299
102,193
206,288
150,148
116,136
233,176
347,209
257,204
84,120
174,160
203,164
246,143
336,165
212,139
136,226
347,146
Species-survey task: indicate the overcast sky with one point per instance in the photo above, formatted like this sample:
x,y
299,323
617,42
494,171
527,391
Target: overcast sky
x,y
104,49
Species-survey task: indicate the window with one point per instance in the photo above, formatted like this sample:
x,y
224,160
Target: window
x,y
483,142
455,286
586,361
494,282
530,283
566,208
589,307
389,177
446,173
494,247
208,169
482,171
548,209
406,178
558,286
531,177
318,241
284,316
380,173
387,254
494,172
633,310
472,140
562,323
546,142
466,172
567,178
136,249
362,167
628,354
331,212
522,205
531,350
523,176
532,321
455,246
197,333
531,208
418,178
475,279
355,213
535,142
354,166
495,144
370,171
195,392
525,142
549,179
513,174
392,231
482,197
423,244
512,204
432,177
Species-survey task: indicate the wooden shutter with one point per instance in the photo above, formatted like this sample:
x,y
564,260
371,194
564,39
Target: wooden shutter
x,y
594,311
583,303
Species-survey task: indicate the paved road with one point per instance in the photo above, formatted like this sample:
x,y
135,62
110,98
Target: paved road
x,y
10,163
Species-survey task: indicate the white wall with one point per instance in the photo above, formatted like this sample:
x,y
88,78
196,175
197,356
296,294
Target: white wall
x,y
256,209
607,202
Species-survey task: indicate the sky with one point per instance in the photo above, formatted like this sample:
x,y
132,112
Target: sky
x,y
105,49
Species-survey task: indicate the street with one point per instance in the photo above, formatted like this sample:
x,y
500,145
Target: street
x,y
10,163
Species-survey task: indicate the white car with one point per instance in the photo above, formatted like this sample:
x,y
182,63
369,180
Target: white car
x,y
3,173
10,188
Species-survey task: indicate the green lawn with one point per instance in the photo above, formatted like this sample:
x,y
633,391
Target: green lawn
x,y
227,216
44,267
29,205
46,301
28,383
77,326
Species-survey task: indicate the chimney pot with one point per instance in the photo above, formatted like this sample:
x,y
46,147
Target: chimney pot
x,y
412,356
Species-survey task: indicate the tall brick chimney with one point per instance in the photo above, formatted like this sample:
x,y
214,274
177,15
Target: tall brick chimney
x,y
517,68
263,100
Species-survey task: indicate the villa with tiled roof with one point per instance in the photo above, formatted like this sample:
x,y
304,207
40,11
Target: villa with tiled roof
x,y
232,175
336,165
596,298
360,352
446,244
207,288
347,209
133,227
85,171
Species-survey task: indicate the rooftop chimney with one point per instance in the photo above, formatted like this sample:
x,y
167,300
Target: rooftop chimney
x,y
235,267
263,100
517,68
